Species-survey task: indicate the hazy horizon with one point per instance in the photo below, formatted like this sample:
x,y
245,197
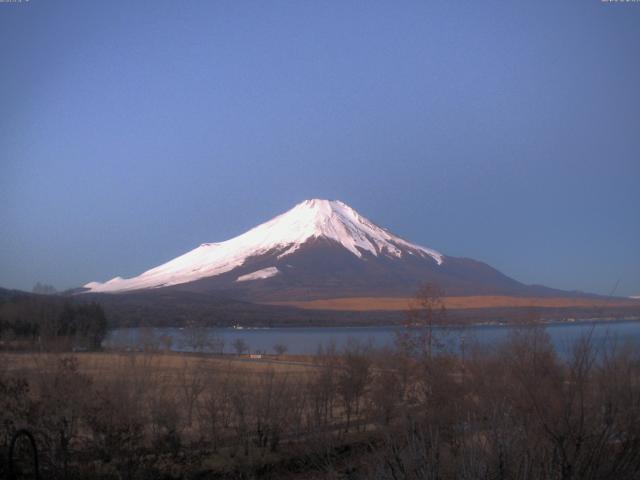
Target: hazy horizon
x,y
503,133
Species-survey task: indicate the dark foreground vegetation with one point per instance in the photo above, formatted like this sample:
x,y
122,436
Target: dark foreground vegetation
x,y
514,412
47,322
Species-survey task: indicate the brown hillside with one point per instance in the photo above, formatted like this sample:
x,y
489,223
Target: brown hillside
x,y
363,304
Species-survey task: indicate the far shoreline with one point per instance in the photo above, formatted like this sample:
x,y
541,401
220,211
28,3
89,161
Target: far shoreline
x,y
544,323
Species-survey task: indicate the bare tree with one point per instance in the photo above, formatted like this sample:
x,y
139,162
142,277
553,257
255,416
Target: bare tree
x,y
165,420
192,383
201,339
322,388
354,378
270,405
64,399
240,401
215,409
240,346
426,311
280,349
216,343
116,421
147,340
167,342
385,395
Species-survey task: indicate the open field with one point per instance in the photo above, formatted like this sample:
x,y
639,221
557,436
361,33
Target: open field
x,y
153,408
137,414
364,304
104,364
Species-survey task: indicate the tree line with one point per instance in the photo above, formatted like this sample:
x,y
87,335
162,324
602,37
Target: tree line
x,y
49,322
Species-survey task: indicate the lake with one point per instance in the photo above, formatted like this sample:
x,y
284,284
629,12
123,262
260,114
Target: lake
x,y
306,340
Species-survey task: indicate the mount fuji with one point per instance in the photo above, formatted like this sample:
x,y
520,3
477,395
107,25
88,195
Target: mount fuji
x,y
319,249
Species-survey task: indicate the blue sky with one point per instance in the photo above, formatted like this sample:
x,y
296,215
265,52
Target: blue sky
x,y
507,132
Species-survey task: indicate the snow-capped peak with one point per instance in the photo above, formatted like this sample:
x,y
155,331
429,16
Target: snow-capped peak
x,y
335,220
283,235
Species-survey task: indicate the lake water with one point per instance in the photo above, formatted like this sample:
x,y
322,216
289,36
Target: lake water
x,y
306,340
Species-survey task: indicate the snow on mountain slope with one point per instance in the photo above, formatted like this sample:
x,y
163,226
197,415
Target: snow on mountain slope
x,y
259,274
283,235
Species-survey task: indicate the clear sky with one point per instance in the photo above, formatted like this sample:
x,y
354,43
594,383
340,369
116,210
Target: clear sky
x,y
133,131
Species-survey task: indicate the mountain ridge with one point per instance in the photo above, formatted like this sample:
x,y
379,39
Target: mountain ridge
x,y
320,249
282,235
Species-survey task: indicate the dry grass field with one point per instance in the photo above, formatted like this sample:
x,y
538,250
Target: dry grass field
x,y
103,365
152,409
364,304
